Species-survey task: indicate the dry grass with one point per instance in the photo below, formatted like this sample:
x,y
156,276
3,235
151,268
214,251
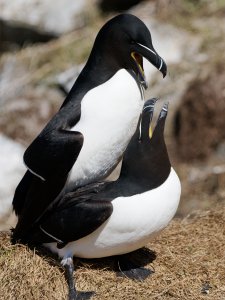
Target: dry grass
x,y
190,255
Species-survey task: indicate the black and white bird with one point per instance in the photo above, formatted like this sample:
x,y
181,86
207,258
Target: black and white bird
x,y
113,218
87,137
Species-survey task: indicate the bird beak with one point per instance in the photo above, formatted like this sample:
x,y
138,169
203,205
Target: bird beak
x,y
150,132
151,55
149,110
138,59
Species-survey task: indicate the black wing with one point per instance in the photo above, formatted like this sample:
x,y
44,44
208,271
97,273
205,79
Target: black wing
x,y
73,219
50,159
21,192
56,148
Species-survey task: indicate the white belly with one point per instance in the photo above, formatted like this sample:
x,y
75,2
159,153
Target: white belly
x,y
109,116
134,221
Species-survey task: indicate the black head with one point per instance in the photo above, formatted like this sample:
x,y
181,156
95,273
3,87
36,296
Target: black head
x,y
122,43
146,160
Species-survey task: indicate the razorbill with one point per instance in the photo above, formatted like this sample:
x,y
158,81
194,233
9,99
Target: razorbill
x,y
86,138
112,218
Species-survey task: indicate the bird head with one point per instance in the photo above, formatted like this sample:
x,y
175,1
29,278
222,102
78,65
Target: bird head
x,y
123,42
146,158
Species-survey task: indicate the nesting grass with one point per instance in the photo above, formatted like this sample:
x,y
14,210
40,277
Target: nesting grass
x,y
188,264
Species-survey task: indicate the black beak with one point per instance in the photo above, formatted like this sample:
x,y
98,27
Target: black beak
x,y
152,56
160,124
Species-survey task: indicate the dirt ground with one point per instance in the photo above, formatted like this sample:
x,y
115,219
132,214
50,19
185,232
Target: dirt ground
x,y
187,259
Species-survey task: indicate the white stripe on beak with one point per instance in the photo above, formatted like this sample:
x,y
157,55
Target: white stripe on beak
x,y
150,105
161,64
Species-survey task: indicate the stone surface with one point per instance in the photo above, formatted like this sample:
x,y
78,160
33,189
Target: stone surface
x,y
11,171
23,117
58,16
200,121
14,35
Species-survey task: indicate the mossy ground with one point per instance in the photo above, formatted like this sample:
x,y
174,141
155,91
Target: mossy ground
x,y
189,264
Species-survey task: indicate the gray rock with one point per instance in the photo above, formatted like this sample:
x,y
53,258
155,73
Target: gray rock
x,y
23,116
58,16
14,35
11,171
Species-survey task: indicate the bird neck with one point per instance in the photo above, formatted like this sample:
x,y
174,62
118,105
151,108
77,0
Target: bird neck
x,y
96,72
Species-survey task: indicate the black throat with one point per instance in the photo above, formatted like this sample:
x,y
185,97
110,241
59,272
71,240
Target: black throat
x,y
146,165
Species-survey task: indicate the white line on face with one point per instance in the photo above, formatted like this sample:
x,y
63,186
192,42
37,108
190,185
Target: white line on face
x,y
147,48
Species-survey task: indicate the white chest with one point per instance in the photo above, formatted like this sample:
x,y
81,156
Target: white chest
x,y
133,223
109,116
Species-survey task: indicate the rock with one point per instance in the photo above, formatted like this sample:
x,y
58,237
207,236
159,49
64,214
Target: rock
x,y
25,115
200,122
14,35
11,172
203,185
58,17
